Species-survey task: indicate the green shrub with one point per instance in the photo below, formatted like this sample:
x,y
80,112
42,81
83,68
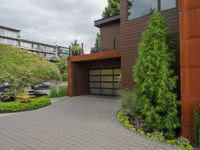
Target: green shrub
x,y
62,91
64,76
53,92
58,91
18,63
62,65
197,126
17,106
155,79
22,69
130,102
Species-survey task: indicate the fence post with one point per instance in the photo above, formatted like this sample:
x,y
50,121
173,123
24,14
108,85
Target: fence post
x,y
114,43
70,51
82,47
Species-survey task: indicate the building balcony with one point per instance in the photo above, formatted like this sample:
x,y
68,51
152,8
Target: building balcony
x,y
111,43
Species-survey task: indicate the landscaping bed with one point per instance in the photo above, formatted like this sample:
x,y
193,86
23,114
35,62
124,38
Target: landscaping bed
x,y
18,106
125,120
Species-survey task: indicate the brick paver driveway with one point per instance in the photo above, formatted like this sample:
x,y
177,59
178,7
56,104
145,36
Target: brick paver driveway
x,y
79,123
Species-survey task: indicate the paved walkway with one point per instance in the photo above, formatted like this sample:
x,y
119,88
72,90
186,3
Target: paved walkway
x,y
79,123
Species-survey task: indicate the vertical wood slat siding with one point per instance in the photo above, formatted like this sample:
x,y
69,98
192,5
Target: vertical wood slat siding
x,y
130,32
108,33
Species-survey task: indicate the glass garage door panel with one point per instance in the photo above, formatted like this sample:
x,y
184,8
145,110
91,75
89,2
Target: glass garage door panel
x,y
94,72
95,91
105,81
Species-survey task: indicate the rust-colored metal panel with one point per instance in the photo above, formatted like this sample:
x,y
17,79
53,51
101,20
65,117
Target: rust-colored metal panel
x,y
186,5
190,63
190,53
97,56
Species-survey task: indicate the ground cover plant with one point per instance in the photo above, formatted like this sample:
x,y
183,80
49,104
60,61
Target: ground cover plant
x,y
180,142
19,105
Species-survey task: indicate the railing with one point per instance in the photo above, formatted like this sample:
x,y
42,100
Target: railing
x,y
108,43
95,49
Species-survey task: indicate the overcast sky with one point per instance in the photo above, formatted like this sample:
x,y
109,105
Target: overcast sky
x,y
53,21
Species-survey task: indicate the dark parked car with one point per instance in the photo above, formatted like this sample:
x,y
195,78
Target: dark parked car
x,y
43,86
4,86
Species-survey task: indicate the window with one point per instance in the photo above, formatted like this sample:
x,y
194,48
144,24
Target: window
x,y
167,4
49,49
1,41
35,46
26,45
1,31
140,8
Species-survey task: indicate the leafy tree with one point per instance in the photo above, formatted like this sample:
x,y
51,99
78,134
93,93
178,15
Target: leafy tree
x,y
22,69
155,79
97,44
98,41
62,65
112,9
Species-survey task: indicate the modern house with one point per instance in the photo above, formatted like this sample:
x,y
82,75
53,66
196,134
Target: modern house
x,y
49,52
109,70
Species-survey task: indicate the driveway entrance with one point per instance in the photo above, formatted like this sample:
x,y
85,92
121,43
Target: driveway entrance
x,y
78,123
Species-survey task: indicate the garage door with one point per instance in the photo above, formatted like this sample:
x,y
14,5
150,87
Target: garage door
x,y
105,81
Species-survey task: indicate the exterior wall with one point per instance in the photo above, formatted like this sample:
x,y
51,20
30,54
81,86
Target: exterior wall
x,y
131,31
110,36
190,62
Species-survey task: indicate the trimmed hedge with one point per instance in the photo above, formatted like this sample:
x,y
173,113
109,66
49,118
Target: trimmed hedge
x,y
17,106
180,142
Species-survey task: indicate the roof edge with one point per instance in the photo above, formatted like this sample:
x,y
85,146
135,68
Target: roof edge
x,y
100,22
9,28
96,56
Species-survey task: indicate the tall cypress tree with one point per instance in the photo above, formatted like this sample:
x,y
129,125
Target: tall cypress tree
x,y
155,77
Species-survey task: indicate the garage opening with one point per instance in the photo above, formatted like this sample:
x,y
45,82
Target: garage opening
x,y
105,81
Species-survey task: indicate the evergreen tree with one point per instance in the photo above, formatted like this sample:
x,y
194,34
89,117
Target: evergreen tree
x,y
155,79
98,41
112,9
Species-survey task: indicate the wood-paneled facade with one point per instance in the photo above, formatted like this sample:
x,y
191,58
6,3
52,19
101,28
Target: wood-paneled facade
x,y
184,30
130,32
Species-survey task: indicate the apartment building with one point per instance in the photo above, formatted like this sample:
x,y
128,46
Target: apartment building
x,y
102,72
48,52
